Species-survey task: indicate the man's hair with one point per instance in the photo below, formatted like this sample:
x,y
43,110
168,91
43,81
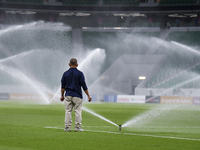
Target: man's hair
x,y
73,62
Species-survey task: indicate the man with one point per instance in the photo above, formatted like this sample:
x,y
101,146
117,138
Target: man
x,y
71,83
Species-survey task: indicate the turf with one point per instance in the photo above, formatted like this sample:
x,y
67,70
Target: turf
x,y
26,126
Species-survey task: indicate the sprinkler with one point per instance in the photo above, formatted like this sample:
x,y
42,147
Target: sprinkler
x,y
120,127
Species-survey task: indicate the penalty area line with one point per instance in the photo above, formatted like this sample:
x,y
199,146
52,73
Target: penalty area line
x,y
134,134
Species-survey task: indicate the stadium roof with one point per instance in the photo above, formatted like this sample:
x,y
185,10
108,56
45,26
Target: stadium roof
x,y
102,9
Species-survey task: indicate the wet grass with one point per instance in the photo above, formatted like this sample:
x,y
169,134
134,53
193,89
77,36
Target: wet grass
x,y
22,126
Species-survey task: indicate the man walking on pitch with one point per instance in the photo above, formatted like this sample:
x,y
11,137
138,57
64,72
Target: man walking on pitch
x,y
71,83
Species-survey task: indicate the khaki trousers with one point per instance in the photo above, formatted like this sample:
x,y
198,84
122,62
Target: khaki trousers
x,y
70,103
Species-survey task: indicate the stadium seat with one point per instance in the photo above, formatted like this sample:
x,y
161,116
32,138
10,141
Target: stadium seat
x,y
176,2
25,1
80,2
121,2
110,41
176,63
157,24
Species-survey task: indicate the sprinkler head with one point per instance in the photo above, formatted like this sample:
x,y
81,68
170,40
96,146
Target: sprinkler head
x,y
120,127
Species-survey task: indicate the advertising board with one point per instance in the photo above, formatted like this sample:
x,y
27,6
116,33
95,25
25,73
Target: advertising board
x,y
110,98
24,96
176,100
152,99
196,100
54,98
4,96
130,98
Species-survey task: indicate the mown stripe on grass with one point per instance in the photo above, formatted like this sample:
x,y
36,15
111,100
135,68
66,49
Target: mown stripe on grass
x,y
134,134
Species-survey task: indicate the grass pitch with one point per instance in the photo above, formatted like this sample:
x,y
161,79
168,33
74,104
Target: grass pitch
x,y
155,127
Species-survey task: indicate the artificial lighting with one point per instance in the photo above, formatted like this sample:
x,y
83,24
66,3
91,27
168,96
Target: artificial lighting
x,y
21,12
66,14
142,77
74,14
138,15
122,15
82,14
177,15
27,13
191,15
129,15
11,12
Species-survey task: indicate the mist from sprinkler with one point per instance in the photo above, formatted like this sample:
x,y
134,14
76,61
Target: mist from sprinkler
x,y
22,77
44,26
92,58
196,76
176,86
14,65
147,116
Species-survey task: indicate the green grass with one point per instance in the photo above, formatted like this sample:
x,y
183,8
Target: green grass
x,y
22,127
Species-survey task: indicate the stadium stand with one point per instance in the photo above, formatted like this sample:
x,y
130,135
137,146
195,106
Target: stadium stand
x,y
190,38
180,65
145,24
114,43
104,40
138,24
177,2
184,79
25,1
121,2
80,2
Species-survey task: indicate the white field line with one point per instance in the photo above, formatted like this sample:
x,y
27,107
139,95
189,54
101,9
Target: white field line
x,y
98,126
160,127
82,126
134,134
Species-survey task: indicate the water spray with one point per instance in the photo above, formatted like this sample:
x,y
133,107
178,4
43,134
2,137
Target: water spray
x,y
186,47
99,116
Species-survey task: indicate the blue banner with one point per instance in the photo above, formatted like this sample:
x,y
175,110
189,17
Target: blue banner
x,y
110,98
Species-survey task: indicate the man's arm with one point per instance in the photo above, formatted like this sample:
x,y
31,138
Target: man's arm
x,y
62,94
63,84
84,86
89,98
